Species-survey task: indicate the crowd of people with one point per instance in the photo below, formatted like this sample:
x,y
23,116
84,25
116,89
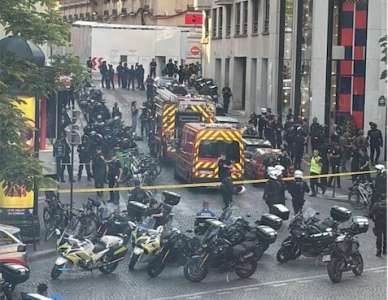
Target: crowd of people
x,y
133,76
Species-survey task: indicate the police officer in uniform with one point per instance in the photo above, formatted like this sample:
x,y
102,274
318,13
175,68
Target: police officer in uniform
x,y
59,154
227,188
274,188
375,141
297,188
379,216
115,171
99,170
380,184
84,158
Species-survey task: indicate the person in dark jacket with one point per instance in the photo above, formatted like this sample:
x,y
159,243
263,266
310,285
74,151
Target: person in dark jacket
x,y
170,68
298,148
141,78
227,188
99,170
115,171
149,88
297,188
84,159
315,134
116,110
125,76
59,154
335,157
153,66
375,139
119,70
274,189
226,94
131,78
379,216
111,76
380,184
104,73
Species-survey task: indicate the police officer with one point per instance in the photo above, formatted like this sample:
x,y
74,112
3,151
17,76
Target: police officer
x,y
59,154
379,216
144,122
335,157
297,188
380,184
274,188
99,170
116,110
375,141
315,134
298,147
115,172
84,158
227,188
226,94
149,88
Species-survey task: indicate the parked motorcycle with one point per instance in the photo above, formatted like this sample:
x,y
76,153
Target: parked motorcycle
x,y
218,252
104,255
144,240
344,254
309,236
176,249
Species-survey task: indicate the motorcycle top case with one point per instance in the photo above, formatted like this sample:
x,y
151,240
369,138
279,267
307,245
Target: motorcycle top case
x,y
266,234
359,224
340,214
281,211
135,208
171,198
14,273
271,220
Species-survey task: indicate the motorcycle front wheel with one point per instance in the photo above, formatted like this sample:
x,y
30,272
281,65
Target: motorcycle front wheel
x,y
283,255
195,271
335,269
155,267
56,271
246,269
358,263
132,261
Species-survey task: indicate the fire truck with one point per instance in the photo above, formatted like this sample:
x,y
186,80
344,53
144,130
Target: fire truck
x,y
199,148
173,111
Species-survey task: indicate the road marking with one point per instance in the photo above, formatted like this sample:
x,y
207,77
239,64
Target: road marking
x,y
270,283
195,297
304,281
280,284
255,289
378,271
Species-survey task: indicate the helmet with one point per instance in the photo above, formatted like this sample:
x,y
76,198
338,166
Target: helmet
x,y
380,168
263,110
298,174
280,168
273,173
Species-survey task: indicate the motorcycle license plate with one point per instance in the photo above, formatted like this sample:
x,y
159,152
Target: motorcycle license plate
x,y
138,251
326,258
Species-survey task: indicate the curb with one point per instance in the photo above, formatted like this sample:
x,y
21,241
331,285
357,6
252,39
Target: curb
x,y
42,254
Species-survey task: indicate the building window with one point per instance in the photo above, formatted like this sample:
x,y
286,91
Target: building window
x,y
245,18
206,24
220,17
237,19
228,20
255,16
214,23
266,17
82,16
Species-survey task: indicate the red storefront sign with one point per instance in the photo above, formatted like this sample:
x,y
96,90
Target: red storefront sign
x,y
193,19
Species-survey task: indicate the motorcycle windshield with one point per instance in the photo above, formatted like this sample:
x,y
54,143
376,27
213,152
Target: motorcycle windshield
x,y
309,213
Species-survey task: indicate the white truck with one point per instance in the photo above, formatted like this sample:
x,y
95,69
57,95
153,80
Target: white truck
x,y
134,44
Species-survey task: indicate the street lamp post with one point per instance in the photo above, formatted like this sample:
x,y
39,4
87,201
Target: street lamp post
x,y
73,137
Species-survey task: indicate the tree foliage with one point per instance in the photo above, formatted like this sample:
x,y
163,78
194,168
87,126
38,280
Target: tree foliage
x,y
383,46
38,21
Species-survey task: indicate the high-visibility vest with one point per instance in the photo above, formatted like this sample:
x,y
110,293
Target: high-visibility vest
x,y
315,166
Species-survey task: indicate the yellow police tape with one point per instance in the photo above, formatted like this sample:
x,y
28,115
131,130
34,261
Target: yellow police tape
x,y
191,185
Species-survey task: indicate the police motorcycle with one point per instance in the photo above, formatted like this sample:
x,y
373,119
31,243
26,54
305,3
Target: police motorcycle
x,y
220,250
75,252
311,237
145,240
344,254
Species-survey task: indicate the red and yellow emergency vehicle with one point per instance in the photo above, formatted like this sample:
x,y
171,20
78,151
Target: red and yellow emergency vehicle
x,y
172,111
199,147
